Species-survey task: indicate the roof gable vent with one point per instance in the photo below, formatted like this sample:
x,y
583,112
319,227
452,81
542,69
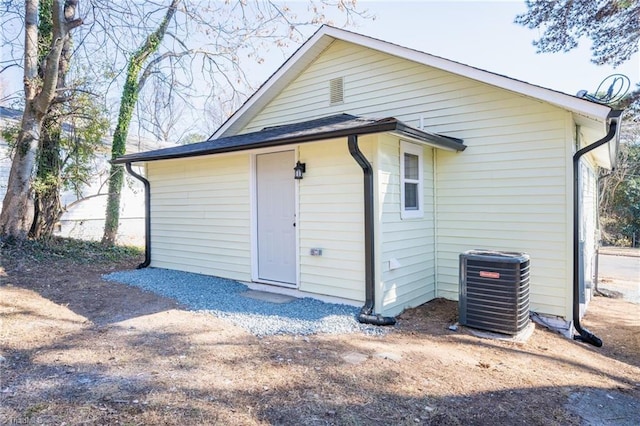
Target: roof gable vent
x,y
336,90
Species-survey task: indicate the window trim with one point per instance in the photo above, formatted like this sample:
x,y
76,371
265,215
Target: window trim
x,y
417,150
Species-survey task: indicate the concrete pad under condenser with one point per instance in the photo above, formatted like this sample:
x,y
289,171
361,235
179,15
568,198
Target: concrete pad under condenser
x,y
521,337
265,296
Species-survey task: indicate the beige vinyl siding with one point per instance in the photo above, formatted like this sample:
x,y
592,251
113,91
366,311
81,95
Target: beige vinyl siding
x,y
508,191
588,222
331,210
409,241
200,215
376,85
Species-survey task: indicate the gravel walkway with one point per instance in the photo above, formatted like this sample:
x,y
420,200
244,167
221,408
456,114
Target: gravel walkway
x,y
223,298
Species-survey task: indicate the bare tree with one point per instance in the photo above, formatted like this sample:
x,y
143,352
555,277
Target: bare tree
x,y
619,201
201,42
161,118
12,49
134,81
46,186
196,44
17,208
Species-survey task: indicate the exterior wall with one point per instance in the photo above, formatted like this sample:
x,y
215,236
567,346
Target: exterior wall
x,y
409,242
511,188
375,85
85,220
510,191
331,209
200,215
589,229
9,118
5,168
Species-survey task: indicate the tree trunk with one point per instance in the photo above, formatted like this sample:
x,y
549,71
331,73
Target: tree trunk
x,y
47,206
17,207
48,186
128,101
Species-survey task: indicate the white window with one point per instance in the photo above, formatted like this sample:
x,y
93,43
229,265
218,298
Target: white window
x,y
411,193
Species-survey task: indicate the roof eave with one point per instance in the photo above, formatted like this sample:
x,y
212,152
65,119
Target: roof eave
x,y
382,126
438,141
605,156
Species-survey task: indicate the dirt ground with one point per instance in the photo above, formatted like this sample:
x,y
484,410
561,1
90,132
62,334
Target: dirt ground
x,y
75,350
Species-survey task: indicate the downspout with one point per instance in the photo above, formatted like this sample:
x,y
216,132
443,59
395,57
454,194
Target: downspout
x,y
583,335
147,215
367,315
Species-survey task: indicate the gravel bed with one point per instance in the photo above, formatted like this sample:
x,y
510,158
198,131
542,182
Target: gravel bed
x,y
222,298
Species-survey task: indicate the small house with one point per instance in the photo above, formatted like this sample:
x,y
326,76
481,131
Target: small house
x,y
360,170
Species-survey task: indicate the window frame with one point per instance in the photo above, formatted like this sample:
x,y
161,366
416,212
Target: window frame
x,y
417,150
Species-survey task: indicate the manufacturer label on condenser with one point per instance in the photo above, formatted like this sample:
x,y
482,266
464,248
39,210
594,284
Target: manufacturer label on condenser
x,y
489,274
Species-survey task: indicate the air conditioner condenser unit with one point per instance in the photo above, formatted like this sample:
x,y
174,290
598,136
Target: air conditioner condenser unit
x,y
494,291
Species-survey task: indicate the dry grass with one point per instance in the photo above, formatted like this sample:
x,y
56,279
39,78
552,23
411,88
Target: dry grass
x,y
78,350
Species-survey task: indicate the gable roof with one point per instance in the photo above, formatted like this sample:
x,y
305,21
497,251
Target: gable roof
x,y
585,112
334,126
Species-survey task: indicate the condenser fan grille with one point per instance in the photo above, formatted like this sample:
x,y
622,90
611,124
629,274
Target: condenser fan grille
x,y
494,291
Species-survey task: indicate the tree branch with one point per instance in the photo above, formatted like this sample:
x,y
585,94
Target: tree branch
x,y
88,197
60,35
148,69
7,67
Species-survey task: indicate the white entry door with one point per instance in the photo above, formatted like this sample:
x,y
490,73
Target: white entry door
x,y
276,221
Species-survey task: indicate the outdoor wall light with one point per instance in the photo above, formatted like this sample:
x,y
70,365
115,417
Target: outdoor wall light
x,y
299,169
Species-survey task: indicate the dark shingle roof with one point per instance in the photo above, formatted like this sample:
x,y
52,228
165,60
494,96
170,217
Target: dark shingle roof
x,y
334,126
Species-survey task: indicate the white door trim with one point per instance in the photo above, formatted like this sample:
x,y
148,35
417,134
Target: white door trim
x,y
254,217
